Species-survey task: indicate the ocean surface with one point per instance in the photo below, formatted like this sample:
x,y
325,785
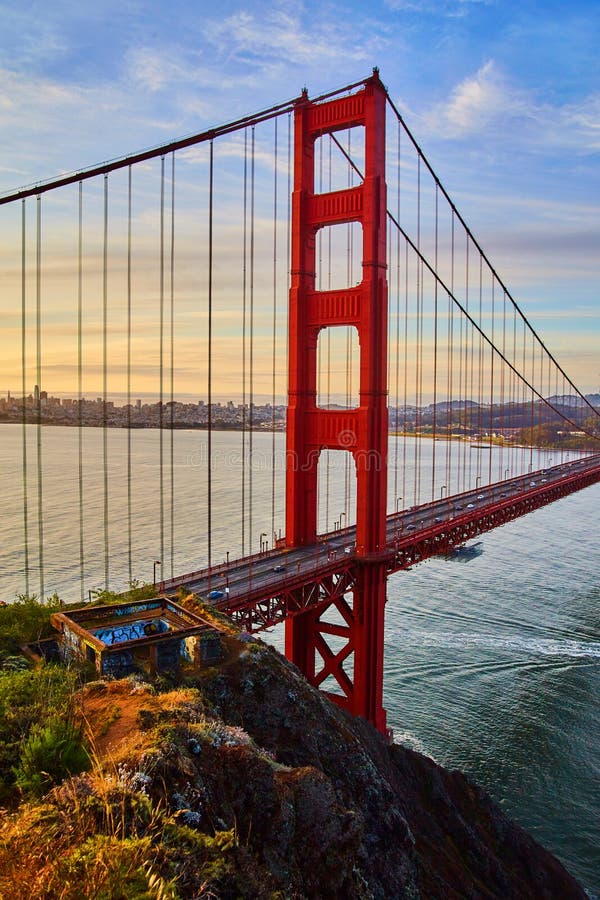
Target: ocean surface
x,y
492,663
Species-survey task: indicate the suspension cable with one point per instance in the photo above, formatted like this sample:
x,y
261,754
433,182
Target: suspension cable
x,y
210,325
473,323
24,392
482,252
251,337
80,387
129,303
274,336
172,370
244,339
161,365
38,318
105,380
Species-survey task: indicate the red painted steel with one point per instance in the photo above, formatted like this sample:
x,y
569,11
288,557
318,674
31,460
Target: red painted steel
x,y
329,576
357,668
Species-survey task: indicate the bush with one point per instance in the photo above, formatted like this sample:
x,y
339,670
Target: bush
x,y
30,698
137,591
25,620
51,753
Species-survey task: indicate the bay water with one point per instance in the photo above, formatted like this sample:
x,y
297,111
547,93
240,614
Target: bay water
x,y
492,663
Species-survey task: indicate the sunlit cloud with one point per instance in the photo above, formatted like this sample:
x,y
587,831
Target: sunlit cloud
x,y
489,104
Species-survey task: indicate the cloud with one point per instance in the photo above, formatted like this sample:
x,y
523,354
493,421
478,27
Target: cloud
x,y
447,9
475,103
245,50
489,104
284,36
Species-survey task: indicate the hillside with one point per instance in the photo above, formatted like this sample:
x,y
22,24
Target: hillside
x,y
248,783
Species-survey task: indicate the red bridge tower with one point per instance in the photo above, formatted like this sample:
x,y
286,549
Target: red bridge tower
x,y
363,431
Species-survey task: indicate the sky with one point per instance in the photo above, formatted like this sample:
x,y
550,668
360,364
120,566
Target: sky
x,y
503,97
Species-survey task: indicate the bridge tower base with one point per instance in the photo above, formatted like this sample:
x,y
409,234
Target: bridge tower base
x,y
357,666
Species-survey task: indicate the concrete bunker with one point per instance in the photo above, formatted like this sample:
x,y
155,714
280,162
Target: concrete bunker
x,y
150,635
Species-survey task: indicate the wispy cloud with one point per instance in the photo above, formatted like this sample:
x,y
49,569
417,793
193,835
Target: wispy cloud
x,y
446,8
488,103
283,35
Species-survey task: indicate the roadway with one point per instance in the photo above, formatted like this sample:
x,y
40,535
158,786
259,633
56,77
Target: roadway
x,y
267,573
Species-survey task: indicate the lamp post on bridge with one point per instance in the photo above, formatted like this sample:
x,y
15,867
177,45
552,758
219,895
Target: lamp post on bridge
x,y
156,563
477,480
263,534
506,471
443,488
398,499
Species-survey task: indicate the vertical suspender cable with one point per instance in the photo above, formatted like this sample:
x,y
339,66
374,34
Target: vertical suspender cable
x,y
523,393
450,410
450,415
533,405
349,254
468,383
105,380
244,337
38,323
397,367
210,315
462,324
492,357
251,361
274,338
419,336
161,367
129,493
405,412
469,339
514,391
501,470
24,393
80,386
435,350
480,367
172,372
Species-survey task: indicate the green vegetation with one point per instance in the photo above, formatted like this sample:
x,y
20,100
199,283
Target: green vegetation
x,y
51,753
137,591
40,742
30,702
26,619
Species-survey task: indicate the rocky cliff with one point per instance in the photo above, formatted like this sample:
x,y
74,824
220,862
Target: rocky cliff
x,y
249,783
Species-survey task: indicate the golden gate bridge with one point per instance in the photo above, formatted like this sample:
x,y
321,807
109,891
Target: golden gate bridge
x,y
309,251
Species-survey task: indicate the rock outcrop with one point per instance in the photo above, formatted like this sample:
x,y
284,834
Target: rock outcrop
x,y
249,783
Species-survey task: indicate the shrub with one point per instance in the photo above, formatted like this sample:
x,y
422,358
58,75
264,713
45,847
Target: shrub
x,y
30,698
137,591
25,620
51,753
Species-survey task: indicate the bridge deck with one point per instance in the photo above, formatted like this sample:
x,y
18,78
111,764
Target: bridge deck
x,y
263,589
